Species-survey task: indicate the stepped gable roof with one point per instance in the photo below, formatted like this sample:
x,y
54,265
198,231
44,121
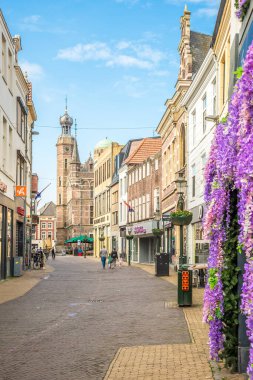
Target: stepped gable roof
x,y
148,147
200,44
49,209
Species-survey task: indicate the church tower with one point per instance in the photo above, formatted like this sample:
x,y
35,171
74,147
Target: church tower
x,y
65,146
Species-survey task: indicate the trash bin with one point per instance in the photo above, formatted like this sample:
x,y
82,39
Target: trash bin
x,y
184,286
162,264
17,266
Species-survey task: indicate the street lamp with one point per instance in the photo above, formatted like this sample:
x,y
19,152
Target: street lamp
x,y
157,218
181,188
129,237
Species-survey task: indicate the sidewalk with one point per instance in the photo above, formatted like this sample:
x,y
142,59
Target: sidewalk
x,y
14,287
178,361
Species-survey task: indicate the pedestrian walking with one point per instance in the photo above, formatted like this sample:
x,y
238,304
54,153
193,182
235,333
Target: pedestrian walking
x,y
76,251
122,255
53,253
114,256
103,254
109,261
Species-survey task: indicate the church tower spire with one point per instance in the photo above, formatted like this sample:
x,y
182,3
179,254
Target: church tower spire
x,y
66,122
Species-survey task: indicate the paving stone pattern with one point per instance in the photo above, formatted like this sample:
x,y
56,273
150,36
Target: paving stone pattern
x,y
73,322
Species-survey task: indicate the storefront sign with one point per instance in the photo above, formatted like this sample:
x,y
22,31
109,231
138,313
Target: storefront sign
x,y
21,211
3,187
139,230
20,191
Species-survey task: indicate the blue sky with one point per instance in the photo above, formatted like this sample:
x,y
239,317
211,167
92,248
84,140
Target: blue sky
x,y
116,60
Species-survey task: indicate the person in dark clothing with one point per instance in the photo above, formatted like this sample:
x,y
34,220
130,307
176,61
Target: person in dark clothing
x,y
53,253
114,256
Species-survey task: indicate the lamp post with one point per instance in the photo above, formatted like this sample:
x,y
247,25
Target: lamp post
x,y
181,187
129,237
157,218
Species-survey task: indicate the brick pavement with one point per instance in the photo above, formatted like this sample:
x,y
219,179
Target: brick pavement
x,y
15,287
144,361
171,361
71,324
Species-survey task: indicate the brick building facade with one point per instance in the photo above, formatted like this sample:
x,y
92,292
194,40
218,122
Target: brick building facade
x,y
144,194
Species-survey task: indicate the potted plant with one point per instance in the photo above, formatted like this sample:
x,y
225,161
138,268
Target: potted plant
x,y
101,237
129,237
181,218
157,231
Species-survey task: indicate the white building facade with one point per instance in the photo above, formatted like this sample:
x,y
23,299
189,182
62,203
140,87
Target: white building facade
x,y
201,103
17,115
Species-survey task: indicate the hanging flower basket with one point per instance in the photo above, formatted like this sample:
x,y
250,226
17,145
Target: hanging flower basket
x,y
101,238
157,231
181,218
129,237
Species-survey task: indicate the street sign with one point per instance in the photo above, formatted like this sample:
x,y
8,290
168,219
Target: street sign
x,y
166,218
20,191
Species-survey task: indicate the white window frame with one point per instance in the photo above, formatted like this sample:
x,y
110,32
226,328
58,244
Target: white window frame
x,y
43,225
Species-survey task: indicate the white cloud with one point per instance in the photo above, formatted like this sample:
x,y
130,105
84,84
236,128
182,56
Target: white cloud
x,y
209,12
31,23
123,53
33,19
88,52
128,61
33,70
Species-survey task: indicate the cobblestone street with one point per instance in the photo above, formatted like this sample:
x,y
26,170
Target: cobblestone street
x,y
72,323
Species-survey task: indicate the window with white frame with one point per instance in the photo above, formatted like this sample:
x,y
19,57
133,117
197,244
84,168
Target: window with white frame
x,y
143,207
4,57
156,164
156,200
140,208
144,170
147,205
43,225
214,97
49,225
21,119
204,112
9,79
194,127
140,173
148,168
193,180
43,235
136,175
49,235
120,210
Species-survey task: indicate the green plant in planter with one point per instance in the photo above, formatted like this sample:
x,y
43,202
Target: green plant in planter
x,y
101,238
129,237
157,231
181,217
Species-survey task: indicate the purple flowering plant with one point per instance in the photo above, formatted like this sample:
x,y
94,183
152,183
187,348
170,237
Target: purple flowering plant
x,y
242,7
230,166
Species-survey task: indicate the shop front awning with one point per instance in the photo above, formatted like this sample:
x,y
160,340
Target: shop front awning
x,y
81,238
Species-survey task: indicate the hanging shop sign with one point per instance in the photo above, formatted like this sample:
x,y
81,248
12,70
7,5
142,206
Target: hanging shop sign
x,y
3,187
20,191
20,211
139,230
